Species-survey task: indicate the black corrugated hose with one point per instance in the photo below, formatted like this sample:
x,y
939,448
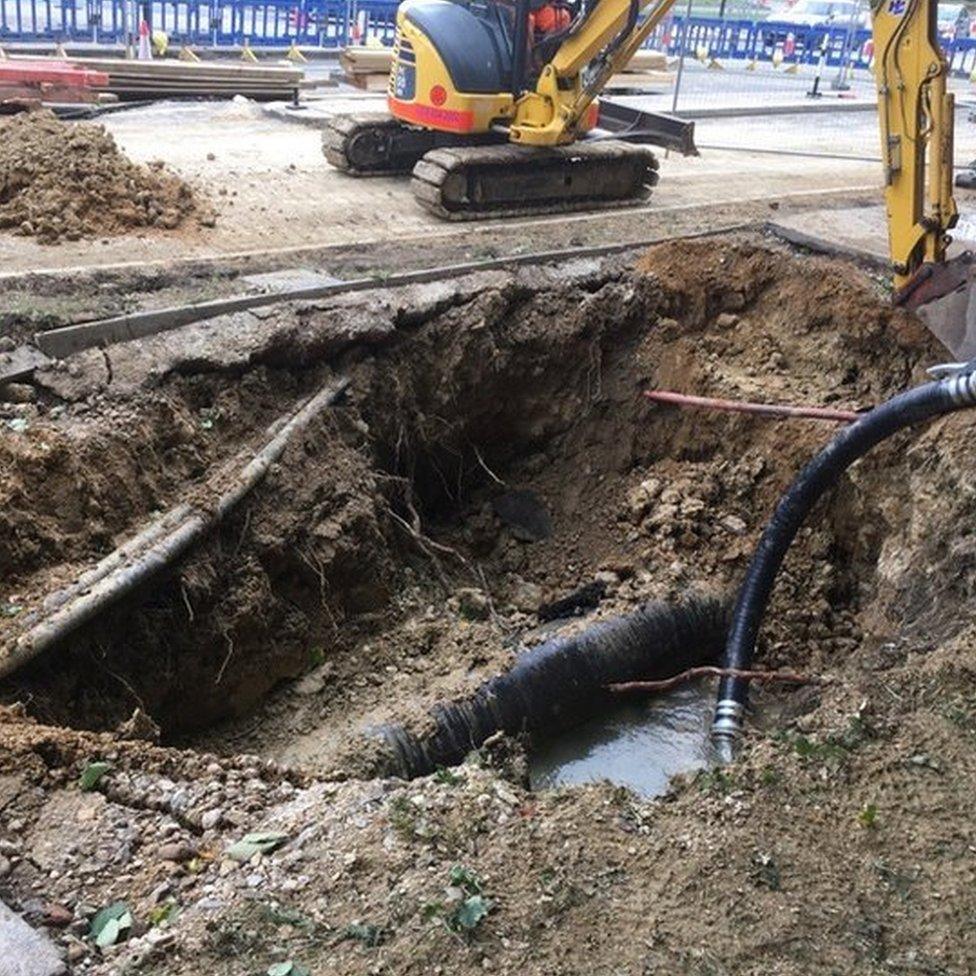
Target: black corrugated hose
x,y
954,392
562,681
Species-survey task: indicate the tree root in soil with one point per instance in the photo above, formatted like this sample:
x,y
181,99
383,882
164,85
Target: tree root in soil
x,y
665,684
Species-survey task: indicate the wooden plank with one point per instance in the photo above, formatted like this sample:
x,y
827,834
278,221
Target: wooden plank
x,y
366,60
641,80
645,60
202,69
371,82
162,78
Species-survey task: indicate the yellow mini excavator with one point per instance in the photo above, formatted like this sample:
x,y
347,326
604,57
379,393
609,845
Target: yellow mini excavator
x,y
493,108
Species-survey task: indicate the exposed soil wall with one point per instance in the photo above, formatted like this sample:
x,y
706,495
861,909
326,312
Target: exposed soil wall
x,y
531,385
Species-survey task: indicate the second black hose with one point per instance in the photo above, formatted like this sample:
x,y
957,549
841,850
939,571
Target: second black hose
x,y
912,407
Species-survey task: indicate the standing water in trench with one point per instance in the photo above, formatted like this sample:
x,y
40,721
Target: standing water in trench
x,y
640,743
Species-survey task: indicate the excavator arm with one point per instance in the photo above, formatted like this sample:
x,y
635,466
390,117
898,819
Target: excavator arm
x,y
602,42
917,115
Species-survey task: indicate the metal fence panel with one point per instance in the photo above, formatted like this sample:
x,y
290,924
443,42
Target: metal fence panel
x,y
324,23
329,23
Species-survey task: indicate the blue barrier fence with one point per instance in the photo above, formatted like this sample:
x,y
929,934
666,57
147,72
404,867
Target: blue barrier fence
x,y
321,23
751,40
330,23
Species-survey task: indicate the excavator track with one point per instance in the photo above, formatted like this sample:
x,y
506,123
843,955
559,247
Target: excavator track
x,y
376,144
476,182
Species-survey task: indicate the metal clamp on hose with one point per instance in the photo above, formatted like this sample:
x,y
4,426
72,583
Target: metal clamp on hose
x,y
727,723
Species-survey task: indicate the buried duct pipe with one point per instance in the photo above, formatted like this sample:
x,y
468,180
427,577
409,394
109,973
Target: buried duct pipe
x,y
158,546
559,683
955,391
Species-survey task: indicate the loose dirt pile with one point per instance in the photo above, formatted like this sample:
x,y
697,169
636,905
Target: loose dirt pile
x,y
380,564
61,181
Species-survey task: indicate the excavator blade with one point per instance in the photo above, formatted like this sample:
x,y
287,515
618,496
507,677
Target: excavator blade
x,y
478,182
944,297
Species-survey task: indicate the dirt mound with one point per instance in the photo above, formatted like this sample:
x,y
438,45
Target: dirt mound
x,y
66,182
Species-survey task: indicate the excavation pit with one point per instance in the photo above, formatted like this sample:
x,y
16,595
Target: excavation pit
x,y
492,480
492,460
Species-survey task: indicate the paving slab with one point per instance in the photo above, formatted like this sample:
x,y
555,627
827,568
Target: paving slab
x,y
23,950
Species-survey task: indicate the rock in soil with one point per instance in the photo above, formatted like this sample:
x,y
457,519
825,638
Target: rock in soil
x,y
18,393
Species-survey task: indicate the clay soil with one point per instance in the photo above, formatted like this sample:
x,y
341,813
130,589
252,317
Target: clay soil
x,y
68,182
373,573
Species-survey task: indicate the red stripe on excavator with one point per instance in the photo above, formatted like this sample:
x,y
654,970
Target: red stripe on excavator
x,y
592,115
440,118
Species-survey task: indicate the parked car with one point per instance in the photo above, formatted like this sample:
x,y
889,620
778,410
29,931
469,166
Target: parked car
x,y
821,13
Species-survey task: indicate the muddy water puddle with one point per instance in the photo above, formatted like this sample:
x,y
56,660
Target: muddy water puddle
x,y
638,744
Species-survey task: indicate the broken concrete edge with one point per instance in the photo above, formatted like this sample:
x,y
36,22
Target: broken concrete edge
x,y
66,341
24,951
63,342
821,245
132,564
21,363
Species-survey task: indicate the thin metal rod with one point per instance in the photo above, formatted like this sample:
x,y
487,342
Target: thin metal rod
x,y
805,153
744,406
685,29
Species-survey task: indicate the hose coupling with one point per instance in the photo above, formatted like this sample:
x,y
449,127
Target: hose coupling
x,y
960,379
728,721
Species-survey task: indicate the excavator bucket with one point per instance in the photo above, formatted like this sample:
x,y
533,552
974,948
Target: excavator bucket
x,y
944,297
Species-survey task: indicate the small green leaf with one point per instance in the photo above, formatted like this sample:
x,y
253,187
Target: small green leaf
x,y
316,656
462,877
470,912
10,609
868,816
18,425
110,923
163,914
285,968
92,774
433,909
257,843
109,934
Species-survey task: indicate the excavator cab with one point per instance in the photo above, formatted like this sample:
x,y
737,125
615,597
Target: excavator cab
x,y
461,67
